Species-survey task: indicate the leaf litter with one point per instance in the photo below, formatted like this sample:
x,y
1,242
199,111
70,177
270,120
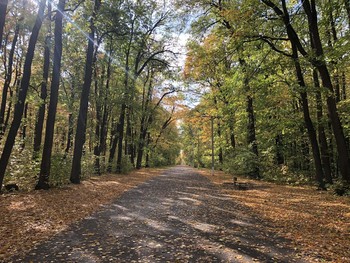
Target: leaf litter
x,y
29,218
317,222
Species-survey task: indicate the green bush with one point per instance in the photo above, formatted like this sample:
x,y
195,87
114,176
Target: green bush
x,y
22,169
60,170
241,161
157,160
126,165
341,188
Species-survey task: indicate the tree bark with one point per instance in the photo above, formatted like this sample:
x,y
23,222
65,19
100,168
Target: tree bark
x,y
221,153
320,64
113,146
22,94
8,78
69,134
321,132
44,175
120,134
308,122
147,164
43,95
80,135
97,148
344,97
251,134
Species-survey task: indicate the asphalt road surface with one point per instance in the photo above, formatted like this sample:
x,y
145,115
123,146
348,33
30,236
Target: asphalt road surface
x,y
179,216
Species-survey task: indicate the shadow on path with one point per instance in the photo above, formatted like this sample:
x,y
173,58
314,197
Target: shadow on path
x,y
179,216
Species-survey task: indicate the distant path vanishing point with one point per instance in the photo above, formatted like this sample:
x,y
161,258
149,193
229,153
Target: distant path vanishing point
x,y
179,216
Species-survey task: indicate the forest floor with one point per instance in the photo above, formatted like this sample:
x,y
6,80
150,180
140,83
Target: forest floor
x,y
317,222
29,218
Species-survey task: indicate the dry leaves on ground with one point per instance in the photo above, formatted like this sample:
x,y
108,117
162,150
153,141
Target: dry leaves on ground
x,y
30,218
317,222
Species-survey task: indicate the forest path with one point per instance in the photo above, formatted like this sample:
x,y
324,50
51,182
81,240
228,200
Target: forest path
x,y
179,216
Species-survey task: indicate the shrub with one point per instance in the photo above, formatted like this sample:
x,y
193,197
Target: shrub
x,y
126,165
241,161
341,188
60,170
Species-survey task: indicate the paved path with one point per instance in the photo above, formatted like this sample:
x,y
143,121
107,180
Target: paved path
x,y
177,217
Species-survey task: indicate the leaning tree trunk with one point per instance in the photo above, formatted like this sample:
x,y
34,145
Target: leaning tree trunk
x,y
22,93
80,135
8,78
320,64
44,175
308,122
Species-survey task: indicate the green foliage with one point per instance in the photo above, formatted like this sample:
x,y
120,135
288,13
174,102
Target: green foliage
x,y
22,170
241,161
282,175
87,165
60,170
126,165
158,160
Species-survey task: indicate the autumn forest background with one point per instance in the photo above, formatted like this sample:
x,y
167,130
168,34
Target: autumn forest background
x,y
90,87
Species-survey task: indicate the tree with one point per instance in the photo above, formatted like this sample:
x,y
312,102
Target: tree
x,y
43,92
80,135
43,182
320,64
22,94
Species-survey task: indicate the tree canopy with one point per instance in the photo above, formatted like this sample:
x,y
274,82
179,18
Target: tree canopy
x,y
101,86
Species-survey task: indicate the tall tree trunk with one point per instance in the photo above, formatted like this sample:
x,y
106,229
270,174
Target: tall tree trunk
x,y
113,146
251,134
80,135
147,165
44,175
3,8
307,119
320,64
142,141
43,95
343,86
22,94
104,121
97,148
24,126
97,165
8,78
321,132
221,154
120,134
129,138
69,134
